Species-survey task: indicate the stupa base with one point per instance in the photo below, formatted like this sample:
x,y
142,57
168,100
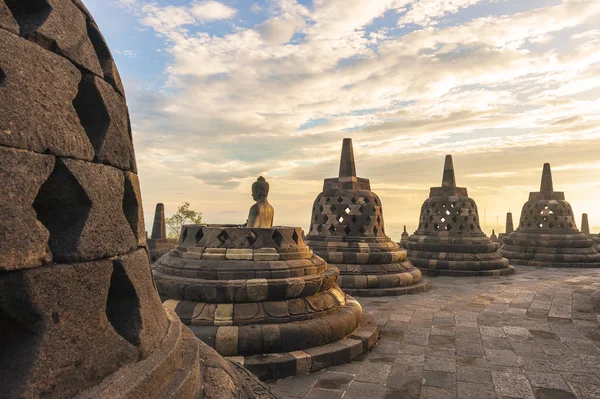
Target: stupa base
x,y
180,367
280,365
392,291
536,263
468,273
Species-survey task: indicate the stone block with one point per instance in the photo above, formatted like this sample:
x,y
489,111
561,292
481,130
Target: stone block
x,y
197,250
81,205
104,117
23,239
224,314
266,256
37,96
215,251
132,207
84,323
212,256
239,254
257,290
6,19
191,255
226,342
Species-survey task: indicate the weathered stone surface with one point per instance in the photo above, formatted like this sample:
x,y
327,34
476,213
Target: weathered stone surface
x,y
37,101
132,207
7,21
104,117
92,197
23,239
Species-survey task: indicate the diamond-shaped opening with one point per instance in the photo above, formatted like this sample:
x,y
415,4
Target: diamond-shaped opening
x,y
320,228
431,218
183,235
321,208
277,237
426,226
354,200
332,208
461,227
223,236
428,211
123,305
367,200
340,219
443,220
369,219
447,212
550,212
327,199
30,15
448,227
376,201
362,230
199,235
375,231
92,112
251,238
436,226
472,226
340,200
540,225
295,237
551,225
63,207
331,229
131,207
354,219
347,210
325,218
454,219
560,225
316,217
347,230
374,210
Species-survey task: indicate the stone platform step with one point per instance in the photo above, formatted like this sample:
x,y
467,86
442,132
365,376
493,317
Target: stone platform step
x,y
468,273
281,365
394,291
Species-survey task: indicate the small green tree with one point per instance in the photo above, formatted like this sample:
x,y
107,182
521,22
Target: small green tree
x,y
184,215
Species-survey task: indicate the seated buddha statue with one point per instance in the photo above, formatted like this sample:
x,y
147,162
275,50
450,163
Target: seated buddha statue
x,y
261,213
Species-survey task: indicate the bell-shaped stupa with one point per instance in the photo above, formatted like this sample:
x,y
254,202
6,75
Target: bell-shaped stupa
x,y
449,240
347,230
79,312
260,295
547,233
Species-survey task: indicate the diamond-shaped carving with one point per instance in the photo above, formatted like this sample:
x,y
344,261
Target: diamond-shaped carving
x,y
347,210
223,236
321,208
375,231
354,200
347,230
325,218
295,237
332,208
354,219
277,237
199,235
183,235
320,228
340,219
362,230
331,229
327,199
340,200
251,237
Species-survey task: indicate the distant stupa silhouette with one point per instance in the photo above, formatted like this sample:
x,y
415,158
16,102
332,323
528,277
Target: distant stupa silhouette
x,y
547,233
449,240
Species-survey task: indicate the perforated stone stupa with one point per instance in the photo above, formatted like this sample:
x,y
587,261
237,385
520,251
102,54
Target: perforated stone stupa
x,y
79,314
449,240
158,243
347,230
547,234
260,296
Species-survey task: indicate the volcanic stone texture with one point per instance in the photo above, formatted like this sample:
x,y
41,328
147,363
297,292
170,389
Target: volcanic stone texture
x,y
347,230
79,314
263,298
547,233
449,240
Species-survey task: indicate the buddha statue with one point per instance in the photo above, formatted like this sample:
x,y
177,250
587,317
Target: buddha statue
x,y
261,214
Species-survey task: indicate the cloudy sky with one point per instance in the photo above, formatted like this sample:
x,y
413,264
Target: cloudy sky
x,y
221,92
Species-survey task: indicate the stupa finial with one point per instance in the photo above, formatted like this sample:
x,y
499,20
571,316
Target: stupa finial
x,y
585,226
405,228
546,186
448,180
347,166
509,223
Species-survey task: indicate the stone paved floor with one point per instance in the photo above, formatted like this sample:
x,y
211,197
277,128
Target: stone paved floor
x,y
535,334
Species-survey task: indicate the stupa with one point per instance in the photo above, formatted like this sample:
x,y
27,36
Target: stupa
x,y
547,233
260,296
347,230
403,238
493,237
158,243
79,314
509,227
585,226
449,240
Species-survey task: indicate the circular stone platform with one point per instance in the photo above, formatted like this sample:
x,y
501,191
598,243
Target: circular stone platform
x,y
449,240
547,235
261,297
347,230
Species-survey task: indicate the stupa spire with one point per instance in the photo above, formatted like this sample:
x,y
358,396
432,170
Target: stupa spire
x,y
448,179
347,166
585,226
159,228
546,185
509,223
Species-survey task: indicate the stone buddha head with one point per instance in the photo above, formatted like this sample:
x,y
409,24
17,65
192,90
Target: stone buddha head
x,y
260,189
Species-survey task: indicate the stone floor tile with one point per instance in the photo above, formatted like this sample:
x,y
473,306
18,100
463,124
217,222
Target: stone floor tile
x,y
411,349
333,381
295,387
501,357
512,385
317,393
410,360
364,390
373,372
447,365
437,393
552,393
547,380
585,391
439,379
491,331
468,390
473,374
